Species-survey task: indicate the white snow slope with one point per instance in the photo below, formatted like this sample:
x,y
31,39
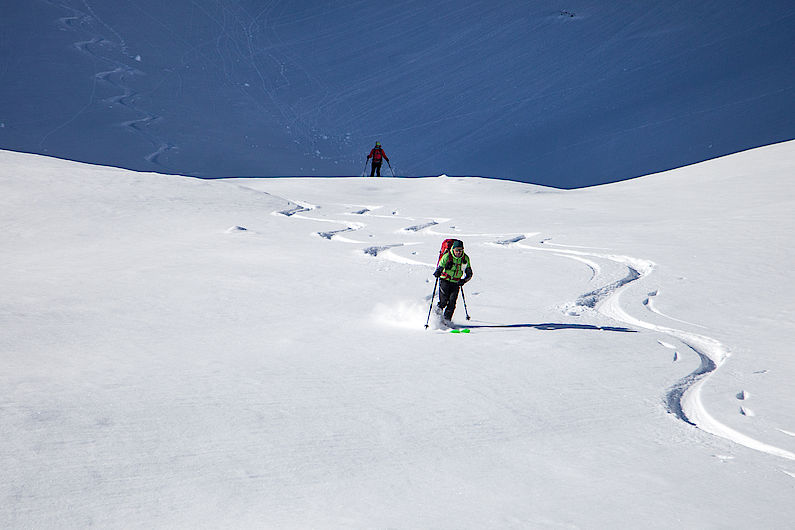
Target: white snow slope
x,y
252,352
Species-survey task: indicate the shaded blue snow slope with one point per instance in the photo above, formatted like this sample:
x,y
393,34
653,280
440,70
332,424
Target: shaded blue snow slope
x,y
563,94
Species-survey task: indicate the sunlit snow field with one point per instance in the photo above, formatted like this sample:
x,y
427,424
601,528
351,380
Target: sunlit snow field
x,y
252,353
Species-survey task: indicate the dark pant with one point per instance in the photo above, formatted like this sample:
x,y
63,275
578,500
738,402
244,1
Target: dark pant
x,y
375,167
448,295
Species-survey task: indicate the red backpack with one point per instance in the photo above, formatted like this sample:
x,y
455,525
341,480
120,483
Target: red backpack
x,y
447,244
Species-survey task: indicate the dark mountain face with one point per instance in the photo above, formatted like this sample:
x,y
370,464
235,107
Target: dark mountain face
x,y
566,96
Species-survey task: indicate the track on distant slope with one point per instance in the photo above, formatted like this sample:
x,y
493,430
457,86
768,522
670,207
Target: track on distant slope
x,y
86,20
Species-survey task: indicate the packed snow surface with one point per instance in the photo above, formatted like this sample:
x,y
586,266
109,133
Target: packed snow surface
x,y
242,353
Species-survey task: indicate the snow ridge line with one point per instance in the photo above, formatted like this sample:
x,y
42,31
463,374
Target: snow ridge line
x,y
684,398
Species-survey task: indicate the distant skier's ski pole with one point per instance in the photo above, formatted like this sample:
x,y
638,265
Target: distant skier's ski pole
x,y
364,171
433,294
390,168
464,298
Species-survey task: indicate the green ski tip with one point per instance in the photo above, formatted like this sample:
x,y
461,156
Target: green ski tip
x,y
464,330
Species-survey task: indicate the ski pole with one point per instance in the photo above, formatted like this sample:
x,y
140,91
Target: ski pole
x,y
390,168
433,294
364,171
464,298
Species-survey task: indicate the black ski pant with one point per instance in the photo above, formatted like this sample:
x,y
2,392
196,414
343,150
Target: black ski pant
x,y
448,296
375,167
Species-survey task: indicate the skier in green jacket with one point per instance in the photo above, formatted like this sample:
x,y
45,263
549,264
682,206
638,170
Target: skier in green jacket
x,y
454,271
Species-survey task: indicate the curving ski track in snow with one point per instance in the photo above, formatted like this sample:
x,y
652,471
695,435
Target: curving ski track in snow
x,y
377,251
117,76
684,398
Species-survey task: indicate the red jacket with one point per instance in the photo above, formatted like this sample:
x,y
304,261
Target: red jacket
x,y
376,154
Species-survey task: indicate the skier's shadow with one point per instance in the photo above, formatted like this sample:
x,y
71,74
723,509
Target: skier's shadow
x,y
548,326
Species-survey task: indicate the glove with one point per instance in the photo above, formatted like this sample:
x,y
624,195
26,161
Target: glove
x,y
463,281
437,272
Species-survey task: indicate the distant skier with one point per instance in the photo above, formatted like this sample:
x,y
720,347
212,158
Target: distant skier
x,y
453,271
378,156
